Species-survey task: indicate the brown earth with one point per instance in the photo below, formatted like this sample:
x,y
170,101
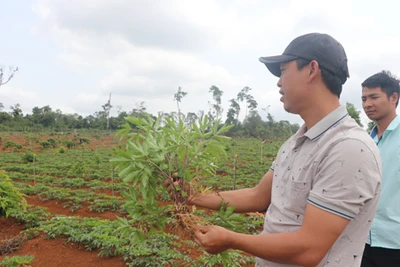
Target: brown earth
x,y
57,207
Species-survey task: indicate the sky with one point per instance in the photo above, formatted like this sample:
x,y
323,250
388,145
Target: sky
x,y
72,54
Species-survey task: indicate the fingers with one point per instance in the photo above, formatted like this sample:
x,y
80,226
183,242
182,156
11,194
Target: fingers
x,y
203,228
199,235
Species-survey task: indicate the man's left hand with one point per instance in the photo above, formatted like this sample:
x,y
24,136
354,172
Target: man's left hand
x,y
213,239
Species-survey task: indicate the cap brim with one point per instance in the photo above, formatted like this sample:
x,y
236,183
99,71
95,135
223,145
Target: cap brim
x,y
273,63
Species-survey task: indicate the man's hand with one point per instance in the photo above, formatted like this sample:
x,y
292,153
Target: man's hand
x,y
213,239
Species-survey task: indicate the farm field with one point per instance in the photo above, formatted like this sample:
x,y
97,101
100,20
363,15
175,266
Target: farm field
x,y
75,205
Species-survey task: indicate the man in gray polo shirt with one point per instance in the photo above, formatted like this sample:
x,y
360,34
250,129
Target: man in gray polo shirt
x,y
322,190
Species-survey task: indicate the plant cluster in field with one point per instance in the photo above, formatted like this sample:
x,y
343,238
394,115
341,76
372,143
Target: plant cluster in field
x,y
10,196
31,217
12,145
149,210
159,150
75,198
28,156
159,249
17,261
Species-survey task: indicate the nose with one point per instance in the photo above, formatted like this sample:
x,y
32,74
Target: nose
x,y
367,103
279,84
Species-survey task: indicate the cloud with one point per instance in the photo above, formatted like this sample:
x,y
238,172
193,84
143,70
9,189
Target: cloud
x,y
176,25
143,50
13,94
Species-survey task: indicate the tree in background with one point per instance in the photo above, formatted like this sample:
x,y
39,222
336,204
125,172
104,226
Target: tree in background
x,y
215,112
241,96
178,98
371,126
354,113
3,79
232,117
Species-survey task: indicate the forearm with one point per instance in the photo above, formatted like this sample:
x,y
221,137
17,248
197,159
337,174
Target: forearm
x,y
287,248
253,199
244,200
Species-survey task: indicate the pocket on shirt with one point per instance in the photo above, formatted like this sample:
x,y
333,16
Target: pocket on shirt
x,y
299,185
298,195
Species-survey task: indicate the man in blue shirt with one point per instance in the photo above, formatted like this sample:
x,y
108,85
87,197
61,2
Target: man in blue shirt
x,y
380,97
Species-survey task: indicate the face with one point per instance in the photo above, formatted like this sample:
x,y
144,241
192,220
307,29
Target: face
x,y
376,104
292,83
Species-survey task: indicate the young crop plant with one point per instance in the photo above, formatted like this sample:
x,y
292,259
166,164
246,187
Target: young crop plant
x,y
11,198
159,152
17,261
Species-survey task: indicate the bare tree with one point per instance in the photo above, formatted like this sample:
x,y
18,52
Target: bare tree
x,y
178,98
216,110
3,78
108,111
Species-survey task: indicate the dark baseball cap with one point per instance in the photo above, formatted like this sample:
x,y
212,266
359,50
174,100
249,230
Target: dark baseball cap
x,y
323,48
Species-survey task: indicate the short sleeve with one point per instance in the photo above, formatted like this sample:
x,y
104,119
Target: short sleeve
x,y
347,178
272,167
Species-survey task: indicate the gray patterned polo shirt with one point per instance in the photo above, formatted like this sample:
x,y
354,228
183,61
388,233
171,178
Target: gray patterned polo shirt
x,y
334,166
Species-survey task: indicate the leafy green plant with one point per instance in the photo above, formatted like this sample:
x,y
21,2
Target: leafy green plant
x,y
155,251
45,144
10,144
234,258
11,197
28,156
17,261
83,140
102,205
79,168
227,219
97,159
62,149
31,217
69,144
167,151
52,142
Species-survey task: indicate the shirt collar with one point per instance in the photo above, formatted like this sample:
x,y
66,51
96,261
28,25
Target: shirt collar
x,y
325,124
393,125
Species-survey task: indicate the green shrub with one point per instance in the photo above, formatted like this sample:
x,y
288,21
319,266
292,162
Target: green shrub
x,y
28,156
45,144
17,261
10,144
10,196
69,144
52,142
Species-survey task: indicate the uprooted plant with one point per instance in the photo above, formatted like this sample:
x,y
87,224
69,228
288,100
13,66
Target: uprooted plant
x,y
159,151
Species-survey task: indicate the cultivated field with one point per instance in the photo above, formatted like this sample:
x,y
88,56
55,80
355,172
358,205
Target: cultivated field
x,y
77,214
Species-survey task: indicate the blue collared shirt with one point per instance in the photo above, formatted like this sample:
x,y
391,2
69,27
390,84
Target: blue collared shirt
x,y
385,230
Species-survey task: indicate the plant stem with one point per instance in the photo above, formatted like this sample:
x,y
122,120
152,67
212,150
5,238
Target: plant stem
x,y
34,171
112,181
234,173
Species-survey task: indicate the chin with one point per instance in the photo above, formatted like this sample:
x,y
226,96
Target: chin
x,y
290,109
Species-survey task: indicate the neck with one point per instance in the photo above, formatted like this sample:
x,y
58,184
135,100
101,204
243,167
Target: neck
x,y
383,123
316,112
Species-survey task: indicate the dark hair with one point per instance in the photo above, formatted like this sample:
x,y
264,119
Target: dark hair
x,y
331,81
388,83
